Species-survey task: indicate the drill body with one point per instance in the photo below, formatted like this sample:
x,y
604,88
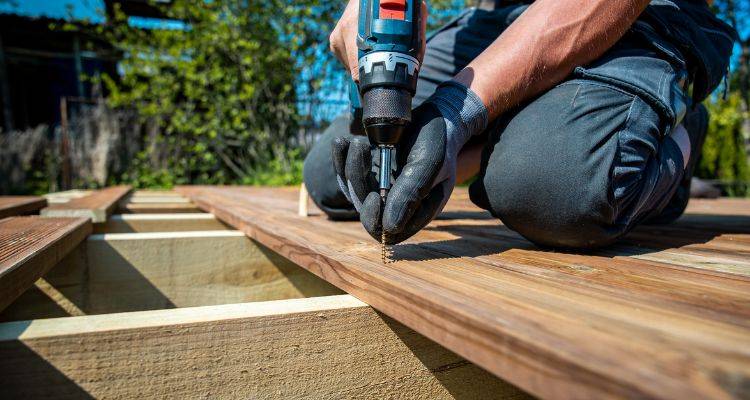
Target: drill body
x,y
389,42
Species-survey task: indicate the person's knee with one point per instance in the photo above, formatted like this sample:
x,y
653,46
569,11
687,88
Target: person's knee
x,y
549,175
319,175
560,216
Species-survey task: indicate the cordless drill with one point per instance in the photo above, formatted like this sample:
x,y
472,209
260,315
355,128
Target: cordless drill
x,y
389,42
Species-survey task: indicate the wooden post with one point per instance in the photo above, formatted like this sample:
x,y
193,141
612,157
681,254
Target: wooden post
x,y
302,209
5,92
78,63
64,144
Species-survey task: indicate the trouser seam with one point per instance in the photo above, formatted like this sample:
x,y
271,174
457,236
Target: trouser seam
x,y
616,207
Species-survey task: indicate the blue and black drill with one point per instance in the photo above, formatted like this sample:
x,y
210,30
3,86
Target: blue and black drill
x,y
389,42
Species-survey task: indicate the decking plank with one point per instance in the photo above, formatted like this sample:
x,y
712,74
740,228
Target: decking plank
x,y
97,206
30,246
20,205
622,322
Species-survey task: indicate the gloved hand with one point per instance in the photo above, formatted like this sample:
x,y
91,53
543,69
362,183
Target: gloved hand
x,y
427,164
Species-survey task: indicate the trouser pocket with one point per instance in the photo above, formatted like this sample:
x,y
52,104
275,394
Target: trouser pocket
x,y
639,68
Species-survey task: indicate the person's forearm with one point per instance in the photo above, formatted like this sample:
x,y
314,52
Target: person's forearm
x,y
543,46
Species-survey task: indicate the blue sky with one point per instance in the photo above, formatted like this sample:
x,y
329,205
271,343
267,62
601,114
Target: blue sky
x,y
92,10
81,9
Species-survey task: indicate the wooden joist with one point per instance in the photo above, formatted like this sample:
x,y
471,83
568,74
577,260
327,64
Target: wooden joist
x,y
327,347
139,223
30,246
97,206
147,271
159,208
20,205
628,321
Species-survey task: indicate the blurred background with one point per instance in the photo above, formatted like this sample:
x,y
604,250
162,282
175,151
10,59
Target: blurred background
x,y
156,93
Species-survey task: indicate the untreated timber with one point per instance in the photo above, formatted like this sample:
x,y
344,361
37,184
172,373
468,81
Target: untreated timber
x,y
321,348
146,271
66,196
139,223
20,205
157,200
158,208
30,246
623,322
97,206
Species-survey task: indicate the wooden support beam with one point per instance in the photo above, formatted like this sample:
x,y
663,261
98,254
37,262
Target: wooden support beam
x,y
159,208
66,196
138,223
155,193
96,206
146,271
20,205
327,347
158,200
30,246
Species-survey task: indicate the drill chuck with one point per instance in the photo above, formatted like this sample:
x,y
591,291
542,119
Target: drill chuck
x,y
385,113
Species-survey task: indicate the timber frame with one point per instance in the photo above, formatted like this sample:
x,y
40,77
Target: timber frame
x,y
245,292
169,303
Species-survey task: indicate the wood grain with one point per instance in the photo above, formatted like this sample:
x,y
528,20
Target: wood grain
x,y
158,208
148,271
97,206
30,246
20,205
627,321
319,348
139,223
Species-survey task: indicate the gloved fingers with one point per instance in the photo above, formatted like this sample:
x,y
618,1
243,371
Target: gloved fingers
x,y
370,215
339,151
416,179
428,209
358,171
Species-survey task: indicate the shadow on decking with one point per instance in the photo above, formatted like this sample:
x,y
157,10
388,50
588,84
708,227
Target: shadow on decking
x,y
485,240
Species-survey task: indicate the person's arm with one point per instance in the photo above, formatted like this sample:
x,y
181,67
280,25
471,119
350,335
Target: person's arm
x,y
543,46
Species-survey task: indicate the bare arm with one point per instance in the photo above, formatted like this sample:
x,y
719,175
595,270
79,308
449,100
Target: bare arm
x,y
544,45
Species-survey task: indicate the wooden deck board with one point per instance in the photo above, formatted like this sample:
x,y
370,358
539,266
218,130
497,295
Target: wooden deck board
x,y
20,205
30,246
96,206
663,314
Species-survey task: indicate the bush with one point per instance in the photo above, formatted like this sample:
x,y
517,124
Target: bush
x,y
724,156
221,89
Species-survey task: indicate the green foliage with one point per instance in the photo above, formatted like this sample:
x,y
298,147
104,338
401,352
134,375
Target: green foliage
x,y
142,174
221,90
724,156
442,11
278,172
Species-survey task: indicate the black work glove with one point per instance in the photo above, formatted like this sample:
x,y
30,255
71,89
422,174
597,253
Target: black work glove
x,y
427,164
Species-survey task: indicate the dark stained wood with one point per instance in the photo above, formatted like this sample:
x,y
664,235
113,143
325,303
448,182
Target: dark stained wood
x,y
20,205
96,206
665,313
30,246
